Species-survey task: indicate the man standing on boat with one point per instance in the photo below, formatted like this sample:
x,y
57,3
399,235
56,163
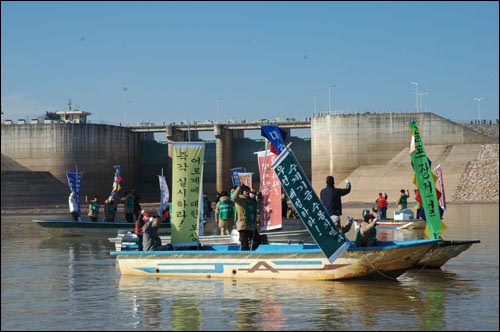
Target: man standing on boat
x,y
381,203
331,198
151,239
93,207
224,214
246,220
73,206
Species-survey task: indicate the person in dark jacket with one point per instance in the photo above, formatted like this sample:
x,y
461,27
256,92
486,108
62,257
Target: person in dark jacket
x,y
151,239
366,235
331,198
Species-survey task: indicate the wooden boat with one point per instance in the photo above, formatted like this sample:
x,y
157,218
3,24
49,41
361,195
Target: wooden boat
x,y
70,227
446,250
276,261
298,236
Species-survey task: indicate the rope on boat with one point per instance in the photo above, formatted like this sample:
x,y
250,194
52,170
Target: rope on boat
x,y
377,270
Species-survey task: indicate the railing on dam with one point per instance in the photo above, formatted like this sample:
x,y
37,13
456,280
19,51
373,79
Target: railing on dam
x,y
231,125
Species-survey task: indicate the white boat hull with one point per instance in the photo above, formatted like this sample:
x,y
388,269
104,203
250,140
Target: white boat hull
x,y
292,261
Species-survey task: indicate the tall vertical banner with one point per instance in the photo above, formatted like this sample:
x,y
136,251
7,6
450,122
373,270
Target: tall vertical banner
x,y
164,194
116,183
187,176
425,181
439,173
310,209
246,179
270,189
234,175
75,182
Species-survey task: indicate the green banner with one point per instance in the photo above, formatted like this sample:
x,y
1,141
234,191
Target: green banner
x,y
310,209
187,176
425,181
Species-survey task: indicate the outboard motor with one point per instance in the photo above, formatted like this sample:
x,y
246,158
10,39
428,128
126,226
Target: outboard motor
x,y
130,242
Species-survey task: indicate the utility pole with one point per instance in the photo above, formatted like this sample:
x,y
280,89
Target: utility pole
x,y
416,92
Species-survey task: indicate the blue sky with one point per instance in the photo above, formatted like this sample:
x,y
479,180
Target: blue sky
x,y
175,61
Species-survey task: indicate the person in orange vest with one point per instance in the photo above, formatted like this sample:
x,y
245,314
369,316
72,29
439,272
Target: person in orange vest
x,y
381,203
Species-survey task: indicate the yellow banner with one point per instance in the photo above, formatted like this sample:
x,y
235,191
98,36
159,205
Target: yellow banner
x,y
187,176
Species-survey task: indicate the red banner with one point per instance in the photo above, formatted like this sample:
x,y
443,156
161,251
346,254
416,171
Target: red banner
x,y
270,189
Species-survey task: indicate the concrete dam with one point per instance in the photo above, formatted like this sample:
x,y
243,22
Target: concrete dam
x,y
370,149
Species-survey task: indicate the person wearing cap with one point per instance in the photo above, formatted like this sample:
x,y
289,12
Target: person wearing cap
x,y
151,239
366,235
331,199
73,206
246,218
224,213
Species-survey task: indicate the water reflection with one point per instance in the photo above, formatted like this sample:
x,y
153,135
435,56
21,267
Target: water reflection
x,y
435,287
65,283
187,304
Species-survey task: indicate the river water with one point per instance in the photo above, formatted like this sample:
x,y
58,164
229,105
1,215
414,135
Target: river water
x,y
72,283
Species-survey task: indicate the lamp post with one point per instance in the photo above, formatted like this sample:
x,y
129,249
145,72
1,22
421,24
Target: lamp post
x,y
421,103
315,102
330,97
416,92
479,107
218,102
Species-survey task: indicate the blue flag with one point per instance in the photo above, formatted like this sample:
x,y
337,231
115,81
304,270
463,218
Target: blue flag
x,y
234,175
276,137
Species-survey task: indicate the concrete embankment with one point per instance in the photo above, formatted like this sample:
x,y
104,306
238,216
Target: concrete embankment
x,y
470,173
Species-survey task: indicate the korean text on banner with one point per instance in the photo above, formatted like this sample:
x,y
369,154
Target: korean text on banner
x,y
234,175
75,182
164,194
187,175
310,209
270,189
423,172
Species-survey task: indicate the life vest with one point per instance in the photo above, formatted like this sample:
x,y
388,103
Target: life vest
x,y
130,202
381,202
226,209
112,209
94,209
403,200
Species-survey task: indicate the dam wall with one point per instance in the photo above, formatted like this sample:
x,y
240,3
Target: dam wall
x,y
371,149
342,143
91,148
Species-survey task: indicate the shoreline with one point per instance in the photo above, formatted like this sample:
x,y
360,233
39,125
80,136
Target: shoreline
x,y
58,209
